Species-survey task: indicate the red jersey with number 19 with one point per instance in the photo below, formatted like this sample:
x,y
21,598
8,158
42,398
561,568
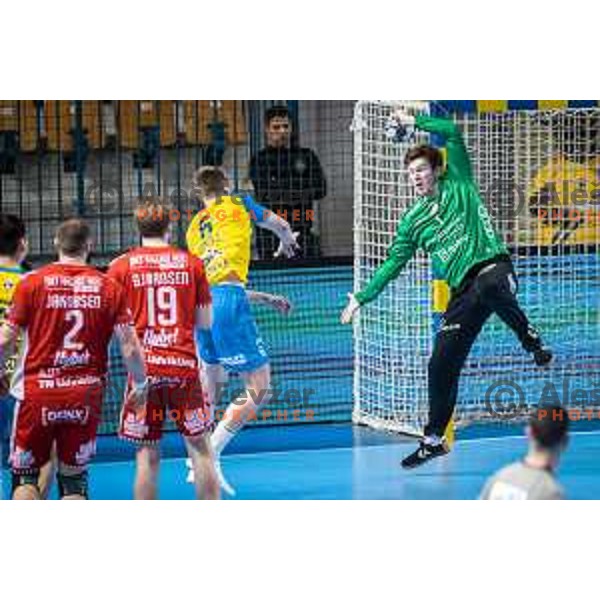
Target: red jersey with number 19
x,y
68,313
164,286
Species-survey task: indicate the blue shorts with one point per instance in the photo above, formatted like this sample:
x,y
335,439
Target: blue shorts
x,y
236,342
7,409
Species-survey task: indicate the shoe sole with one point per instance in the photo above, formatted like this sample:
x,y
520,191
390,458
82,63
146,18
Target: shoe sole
x,y
429,459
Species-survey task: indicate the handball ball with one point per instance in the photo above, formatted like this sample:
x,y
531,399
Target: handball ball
x,y
394,130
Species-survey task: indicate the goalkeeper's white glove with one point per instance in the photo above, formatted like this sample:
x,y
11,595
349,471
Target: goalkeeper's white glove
x,y
350,310
402,116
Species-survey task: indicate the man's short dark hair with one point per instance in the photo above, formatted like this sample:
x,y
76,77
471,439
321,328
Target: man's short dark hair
x,y
278,110
549,426
152,215
429,153
72,236
12,231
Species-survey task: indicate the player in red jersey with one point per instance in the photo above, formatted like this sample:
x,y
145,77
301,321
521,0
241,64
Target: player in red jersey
x,y
66,313
169,296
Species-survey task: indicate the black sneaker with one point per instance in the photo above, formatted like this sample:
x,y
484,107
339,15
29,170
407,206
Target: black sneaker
x,y
424,453
542,356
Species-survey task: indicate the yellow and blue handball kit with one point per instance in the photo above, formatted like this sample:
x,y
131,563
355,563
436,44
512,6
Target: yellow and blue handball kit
x,y
221,235
9,279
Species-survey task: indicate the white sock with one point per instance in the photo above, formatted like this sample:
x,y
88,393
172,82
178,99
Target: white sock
x,y
229,427
432,440
222,435
190,475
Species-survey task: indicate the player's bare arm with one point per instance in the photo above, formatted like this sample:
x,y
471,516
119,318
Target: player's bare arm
x,y
8,339
204,317
211,375
275,301
133,357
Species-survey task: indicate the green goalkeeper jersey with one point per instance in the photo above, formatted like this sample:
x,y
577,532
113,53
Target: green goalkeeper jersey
x,y
453,226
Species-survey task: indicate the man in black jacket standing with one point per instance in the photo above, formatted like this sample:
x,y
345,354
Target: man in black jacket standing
x,y
287,178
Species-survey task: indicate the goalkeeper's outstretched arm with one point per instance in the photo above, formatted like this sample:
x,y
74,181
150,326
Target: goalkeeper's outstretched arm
x,y
458,161
400,252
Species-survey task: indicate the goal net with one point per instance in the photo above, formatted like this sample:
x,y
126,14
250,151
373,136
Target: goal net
x,y
539,174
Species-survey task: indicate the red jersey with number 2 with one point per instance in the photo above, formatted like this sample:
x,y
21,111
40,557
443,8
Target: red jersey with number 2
x,y
68,313
164,287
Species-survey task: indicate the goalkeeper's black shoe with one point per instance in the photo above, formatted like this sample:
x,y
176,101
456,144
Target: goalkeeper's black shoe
x,y
542,356
424,453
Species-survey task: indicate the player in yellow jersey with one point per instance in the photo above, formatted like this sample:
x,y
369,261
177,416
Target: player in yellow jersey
x,y
13,250
220,234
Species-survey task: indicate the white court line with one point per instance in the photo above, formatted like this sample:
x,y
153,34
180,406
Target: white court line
x,y
341,449
345,448
521,437
366,446
253,454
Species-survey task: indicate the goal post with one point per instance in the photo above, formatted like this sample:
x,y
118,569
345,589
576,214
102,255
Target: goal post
x,y
537,165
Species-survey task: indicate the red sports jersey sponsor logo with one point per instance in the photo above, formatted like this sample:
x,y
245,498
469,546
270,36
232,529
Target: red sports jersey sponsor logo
x,y
134,424
164,287
69,313
65,415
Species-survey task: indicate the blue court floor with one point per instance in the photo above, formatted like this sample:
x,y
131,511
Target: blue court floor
x,y
346,462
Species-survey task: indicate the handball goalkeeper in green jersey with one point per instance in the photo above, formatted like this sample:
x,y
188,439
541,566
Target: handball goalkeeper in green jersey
x,y
450,222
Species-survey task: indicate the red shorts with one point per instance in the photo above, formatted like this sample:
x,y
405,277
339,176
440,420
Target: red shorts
x,y
37,425
178,400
